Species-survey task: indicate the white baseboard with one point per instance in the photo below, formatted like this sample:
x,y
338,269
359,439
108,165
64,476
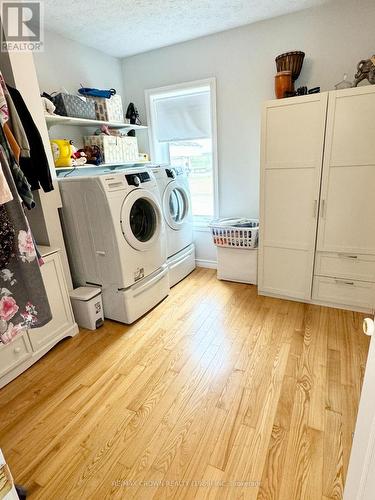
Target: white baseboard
x,y
210,264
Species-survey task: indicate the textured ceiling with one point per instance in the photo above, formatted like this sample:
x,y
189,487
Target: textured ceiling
x,y
125,27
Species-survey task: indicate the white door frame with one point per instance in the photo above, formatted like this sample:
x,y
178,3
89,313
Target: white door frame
x,y
360,481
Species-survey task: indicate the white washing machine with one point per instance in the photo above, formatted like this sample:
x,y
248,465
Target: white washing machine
x,y
176,205
115,236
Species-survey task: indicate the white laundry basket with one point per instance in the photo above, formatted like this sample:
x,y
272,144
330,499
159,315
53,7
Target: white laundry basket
x,y
237,253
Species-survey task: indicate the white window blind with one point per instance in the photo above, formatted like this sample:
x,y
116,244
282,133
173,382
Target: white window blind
x,y
183,117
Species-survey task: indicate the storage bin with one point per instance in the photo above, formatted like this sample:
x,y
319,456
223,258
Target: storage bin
x,y
74,106
130,149
110,146
237,255
115,149
109,110
87,307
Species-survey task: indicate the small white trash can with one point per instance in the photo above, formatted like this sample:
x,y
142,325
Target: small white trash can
x,y
87,307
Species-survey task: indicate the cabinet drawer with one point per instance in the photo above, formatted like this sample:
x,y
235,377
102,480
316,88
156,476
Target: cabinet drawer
x,y
343,265
346,292
14,353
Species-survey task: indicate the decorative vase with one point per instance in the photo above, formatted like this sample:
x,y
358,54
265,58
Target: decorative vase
x,y
283,84
290,61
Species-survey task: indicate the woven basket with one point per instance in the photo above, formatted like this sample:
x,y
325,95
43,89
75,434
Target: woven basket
x,y
290,61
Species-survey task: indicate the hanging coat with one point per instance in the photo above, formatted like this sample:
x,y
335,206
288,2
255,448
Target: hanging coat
x,y
36,167
23,299
17,128
23,187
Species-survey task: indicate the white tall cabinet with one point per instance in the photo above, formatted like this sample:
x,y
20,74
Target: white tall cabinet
x,y
317,214
19,71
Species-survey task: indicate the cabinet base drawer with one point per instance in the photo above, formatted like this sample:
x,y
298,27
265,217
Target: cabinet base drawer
x,y
14,353
344,291
345,265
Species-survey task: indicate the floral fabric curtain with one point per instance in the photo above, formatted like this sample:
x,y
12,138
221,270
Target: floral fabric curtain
x,y
23,299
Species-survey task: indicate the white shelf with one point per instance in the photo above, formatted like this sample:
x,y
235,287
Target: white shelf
x,y
102,165
52,120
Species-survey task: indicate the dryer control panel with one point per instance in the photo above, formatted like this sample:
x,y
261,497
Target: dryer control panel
x,y
173,172
123,180
138,178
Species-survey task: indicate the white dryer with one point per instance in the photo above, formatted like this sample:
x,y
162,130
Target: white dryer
x,y
115,236
176,205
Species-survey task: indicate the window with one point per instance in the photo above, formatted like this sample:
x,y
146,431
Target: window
x,y
183,133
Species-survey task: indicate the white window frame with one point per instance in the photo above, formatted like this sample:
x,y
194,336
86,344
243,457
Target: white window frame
x,y
183,88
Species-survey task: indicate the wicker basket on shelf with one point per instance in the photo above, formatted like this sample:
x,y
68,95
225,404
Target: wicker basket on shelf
x,y
290,61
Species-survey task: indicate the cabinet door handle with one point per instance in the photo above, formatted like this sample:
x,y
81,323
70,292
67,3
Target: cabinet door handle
x,y
322,208
17,350
346,256
341,282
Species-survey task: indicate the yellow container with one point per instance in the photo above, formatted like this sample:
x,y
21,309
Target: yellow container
x,y
62,152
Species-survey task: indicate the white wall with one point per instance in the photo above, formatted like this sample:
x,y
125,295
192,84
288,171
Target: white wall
x,y
334,37
67,64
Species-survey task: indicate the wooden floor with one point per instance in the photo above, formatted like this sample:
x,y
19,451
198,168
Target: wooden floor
x,y
216,393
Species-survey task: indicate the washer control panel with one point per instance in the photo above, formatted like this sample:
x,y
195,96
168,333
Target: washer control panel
x,y
137,179
173,172
119,181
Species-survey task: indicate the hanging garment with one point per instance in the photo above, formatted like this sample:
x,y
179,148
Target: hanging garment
x,y
4,119
16,150
5,193
4,112
23,187
36,168
23,299
6,237
17,129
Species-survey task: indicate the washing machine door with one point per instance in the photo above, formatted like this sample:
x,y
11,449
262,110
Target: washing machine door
x,y
141,219
176,205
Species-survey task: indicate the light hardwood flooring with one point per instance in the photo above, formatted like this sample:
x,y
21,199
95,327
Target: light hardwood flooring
x,y
216,393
